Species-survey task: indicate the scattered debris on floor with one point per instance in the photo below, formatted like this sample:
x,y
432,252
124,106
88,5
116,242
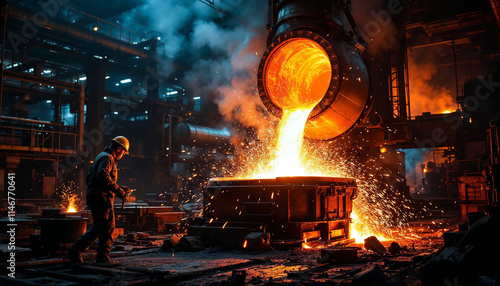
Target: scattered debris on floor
x,y
175,259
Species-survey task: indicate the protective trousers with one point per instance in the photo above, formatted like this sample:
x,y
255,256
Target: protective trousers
x,y
102,228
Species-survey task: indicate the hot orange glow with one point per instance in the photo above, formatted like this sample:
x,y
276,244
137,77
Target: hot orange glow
x,y
298,75
360,231
245,244
286,160
68,193
305,245
72,208
297,79
425,94
289,159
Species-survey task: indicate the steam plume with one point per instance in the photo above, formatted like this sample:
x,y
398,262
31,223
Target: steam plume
x,y
222,53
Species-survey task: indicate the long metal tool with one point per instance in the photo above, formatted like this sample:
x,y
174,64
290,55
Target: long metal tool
x,y
123,201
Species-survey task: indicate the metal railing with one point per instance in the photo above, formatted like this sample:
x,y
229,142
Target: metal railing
x,y
50,70
33,135
79,18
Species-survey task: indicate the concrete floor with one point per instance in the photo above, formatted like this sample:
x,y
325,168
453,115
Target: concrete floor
x,y
142,263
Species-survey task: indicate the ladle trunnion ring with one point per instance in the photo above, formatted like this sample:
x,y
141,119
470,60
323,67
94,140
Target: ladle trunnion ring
x,y
345,100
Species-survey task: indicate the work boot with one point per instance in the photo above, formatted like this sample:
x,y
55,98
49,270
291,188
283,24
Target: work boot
x,y
105,259
75,251
75,256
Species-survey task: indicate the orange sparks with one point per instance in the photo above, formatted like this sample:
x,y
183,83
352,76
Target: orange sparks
x,y
297,79
360,231
374,212
68,194
289,159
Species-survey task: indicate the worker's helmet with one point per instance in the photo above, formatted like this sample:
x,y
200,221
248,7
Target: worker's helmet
x,y
122,141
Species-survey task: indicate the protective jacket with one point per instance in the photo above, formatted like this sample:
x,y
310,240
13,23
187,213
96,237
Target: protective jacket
x,y
101,191
101,180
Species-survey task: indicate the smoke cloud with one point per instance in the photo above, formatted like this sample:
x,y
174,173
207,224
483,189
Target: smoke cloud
x,y
221,53
374,20
428,89
172,19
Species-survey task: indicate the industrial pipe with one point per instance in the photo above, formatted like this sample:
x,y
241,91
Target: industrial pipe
x,y
195,135
309,59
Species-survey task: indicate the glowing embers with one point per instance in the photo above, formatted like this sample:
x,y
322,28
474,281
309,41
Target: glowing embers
x,y
68,194
297,74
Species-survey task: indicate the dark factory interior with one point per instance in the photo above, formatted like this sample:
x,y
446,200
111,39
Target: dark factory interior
x,y
278,142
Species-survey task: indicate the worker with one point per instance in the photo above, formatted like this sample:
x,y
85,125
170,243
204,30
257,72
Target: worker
x,y
101,192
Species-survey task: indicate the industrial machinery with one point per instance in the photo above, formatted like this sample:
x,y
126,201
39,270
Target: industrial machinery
x,y
291,209
311,58
310,61
191,134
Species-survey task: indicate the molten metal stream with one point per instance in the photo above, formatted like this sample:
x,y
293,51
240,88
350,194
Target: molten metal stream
x,y
289,144
297,77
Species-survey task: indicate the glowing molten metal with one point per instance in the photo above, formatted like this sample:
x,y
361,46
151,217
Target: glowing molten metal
x,y
297,77
302,69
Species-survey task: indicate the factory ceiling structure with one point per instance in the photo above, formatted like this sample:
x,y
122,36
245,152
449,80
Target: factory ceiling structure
x,y
76,64
82,48
255,126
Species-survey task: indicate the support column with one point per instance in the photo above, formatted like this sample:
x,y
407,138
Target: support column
x,y
80,119
56,106
401,66
155,122
96,90
80,145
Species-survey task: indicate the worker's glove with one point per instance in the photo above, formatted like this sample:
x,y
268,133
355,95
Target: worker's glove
x,y
127,190
124,192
